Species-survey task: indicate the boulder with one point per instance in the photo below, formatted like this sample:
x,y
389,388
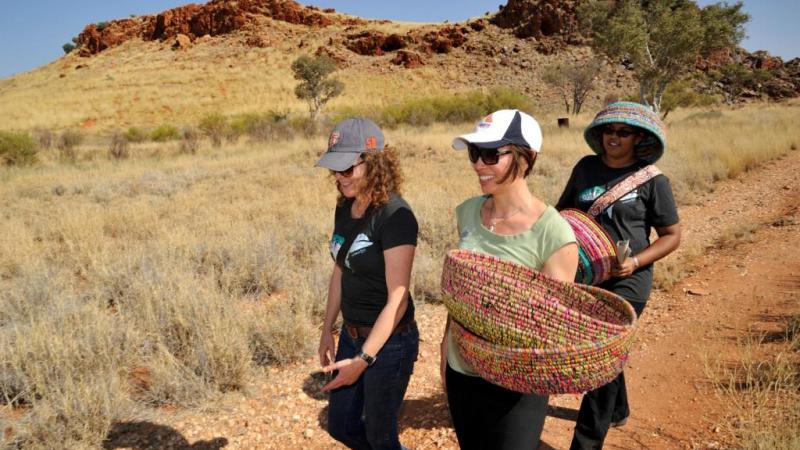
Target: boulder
x,y
182,42
443,40
408,59
540,19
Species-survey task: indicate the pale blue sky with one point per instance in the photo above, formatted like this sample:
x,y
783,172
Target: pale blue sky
x,y
33,31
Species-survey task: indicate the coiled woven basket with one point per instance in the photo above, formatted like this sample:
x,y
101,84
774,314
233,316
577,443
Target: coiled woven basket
x,y
597,251
530,333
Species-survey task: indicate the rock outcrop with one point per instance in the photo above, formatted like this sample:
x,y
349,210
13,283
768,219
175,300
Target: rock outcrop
x,y
540,19
374,43
214,18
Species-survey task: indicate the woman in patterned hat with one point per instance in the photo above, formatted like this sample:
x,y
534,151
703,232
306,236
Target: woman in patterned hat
x,y
626,137
373,244
508,222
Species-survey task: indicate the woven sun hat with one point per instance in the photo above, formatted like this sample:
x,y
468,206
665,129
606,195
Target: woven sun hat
x,y
527,332
650,148
596,250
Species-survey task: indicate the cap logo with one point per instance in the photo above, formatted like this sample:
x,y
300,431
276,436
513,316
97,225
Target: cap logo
x,y
486,122
371,143
334,139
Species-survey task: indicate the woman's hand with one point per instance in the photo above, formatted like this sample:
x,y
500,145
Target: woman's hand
x,y
349,371
625,269
326,348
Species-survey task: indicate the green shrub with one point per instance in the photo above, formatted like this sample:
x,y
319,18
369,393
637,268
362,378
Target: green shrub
x,y
465,107
135,135
191,141
67,143
269,126
17,149
45,138
215,126
165,133
68,47
118,149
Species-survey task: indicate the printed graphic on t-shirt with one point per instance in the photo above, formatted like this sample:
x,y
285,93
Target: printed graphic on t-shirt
x,y
336,243
360,245
591,194
629,197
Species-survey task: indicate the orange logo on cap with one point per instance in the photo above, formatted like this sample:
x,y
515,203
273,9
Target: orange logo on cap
x,y
486,122
371,143
333,139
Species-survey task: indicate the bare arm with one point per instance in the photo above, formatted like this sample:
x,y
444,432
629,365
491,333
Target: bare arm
x,y
399,261
326,346
563,263
669,238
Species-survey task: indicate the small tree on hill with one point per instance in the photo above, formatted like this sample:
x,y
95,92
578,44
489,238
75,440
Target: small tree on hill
x,y
661,40
573,81
315,87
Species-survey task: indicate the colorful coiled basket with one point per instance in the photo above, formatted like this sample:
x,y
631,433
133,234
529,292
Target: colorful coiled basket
x,y
530,333
596,250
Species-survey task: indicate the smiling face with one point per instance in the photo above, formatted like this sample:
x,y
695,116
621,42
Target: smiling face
x,y
496,177
619,141
351,186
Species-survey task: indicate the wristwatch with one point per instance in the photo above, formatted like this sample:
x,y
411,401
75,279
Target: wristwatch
x,y
369,359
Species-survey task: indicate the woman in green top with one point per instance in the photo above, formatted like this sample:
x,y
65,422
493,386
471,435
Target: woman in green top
x,y
508,222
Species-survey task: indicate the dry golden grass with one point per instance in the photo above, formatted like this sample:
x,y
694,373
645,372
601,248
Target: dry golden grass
x,y
761,382
169,278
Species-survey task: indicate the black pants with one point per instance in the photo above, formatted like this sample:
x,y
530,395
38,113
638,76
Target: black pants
x,y
489,417
600,407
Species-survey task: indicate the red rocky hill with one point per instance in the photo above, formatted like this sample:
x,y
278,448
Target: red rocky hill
x,y
546,27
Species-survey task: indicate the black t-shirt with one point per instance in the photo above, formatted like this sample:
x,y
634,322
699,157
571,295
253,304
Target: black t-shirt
x,y
631,217
364,289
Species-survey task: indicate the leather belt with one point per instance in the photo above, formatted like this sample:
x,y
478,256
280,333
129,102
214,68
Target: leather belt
x,y
356,332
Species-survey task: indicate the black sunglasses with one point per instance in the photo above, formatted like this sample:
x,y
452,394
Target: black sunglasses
x,y
489,156
623,133
347,173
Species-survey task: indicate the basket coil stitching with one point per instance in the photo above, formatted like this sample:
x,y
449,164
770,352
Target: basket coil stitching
x,y
531,333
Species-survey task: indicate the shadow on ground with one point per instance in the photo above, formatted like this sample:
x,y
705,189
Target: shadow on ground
x,y
152,436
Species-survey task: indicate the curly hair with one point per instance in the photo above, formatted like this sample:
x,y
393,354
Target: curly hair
x,y
515,170
383,177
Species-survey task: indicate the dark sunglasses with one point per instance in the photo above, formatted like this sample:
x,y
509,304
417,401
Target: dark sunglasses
x,y
489,156
608,131
347,173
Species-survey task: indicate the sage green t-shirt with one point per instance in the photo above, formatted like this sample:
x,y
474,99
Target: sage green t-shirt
x,y
531,248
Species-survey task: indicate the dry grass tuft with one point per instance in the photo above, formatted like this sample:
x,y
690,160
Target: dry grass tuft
x,y
761,381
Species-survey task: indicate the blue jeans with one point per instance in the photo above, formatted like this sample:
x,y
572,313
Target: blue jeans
x,y
364,414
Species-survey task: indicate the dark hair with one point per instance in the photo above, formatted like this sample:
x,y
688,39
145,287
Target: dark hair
x,y
383,176
515,170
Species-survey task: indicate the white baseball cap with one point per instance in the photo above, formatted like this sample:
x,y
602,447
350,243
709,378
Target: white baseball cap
x,y
504,127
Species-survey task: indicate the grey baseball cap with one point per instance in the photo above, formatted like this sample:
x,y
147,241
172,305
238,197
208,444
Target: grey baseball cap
x,y
349,139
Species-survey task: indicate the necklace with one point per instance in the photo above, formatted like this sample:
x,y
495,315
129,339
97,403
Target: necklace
x,y
493,221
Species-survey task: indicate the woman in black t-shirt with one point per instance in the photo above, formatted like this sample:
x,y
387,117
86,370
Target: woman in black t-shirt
x,y
626,137
373,244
